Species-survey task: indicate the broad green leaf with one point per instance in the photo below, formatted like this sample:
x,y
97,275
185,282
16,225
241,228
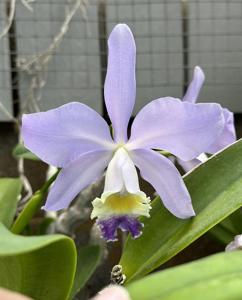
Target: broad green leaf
x,y
41,267
228,228
32,206
10,189
88,259
221,234
236,220
216,191
20,151
216,277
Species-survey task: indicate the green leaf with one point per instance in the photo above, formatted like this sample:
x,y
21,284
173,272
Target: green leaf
x,y
41,267
10,189
20,151
216,191
236,220
32,206
220,233
216,277
87,261
226,230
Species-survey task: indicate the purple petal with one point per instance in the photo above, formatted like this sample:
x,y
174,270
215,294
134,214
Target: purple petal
x,y
110,226
160,172
191,164
195,85
228,135
120,85
182,128
60,135
75,177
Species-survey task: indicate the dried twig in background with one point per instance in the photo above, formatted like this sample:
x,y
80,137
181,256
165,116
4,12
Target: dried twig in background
x,y
26,3
37,66
7,113
12,8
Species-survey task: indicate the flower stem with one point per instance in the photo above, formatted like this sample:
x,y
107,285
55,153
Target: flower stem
x,y
32,207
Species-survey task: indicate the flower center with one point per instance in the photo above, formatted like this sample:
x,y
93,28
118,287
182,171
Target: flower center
x,y
123,203
120,145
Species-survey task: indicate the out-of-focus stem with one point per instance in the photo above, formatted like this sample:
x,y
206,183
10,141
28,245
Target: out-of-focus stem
x,y
33,206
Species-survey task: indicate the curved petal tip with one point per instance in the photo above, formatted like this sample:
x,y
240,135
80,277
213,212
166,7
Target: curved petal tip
x,y
121,27
198,71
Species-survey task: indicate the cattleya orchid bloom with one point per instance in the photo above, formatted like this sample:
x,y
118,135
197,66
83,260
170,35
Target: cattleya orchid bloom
x,y
227,136
77,139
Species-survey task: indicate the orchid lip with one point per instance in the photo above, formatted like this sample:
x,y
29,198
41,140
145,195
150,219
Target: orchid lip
x,y
122,203
109,227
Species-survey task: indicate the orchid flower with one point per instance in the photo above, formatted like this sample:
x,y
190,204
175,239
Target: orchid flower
x,y
227,136
77,139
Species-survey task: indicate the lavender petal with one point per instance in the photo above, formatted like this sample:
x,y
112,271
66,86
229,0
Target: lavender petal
x,y
75,177
228,135
160,172
195,86
59,136
182,128
120,83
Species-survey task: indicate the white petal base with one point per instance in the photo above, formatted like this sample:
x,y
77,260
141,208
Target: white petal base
x,y
121,204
